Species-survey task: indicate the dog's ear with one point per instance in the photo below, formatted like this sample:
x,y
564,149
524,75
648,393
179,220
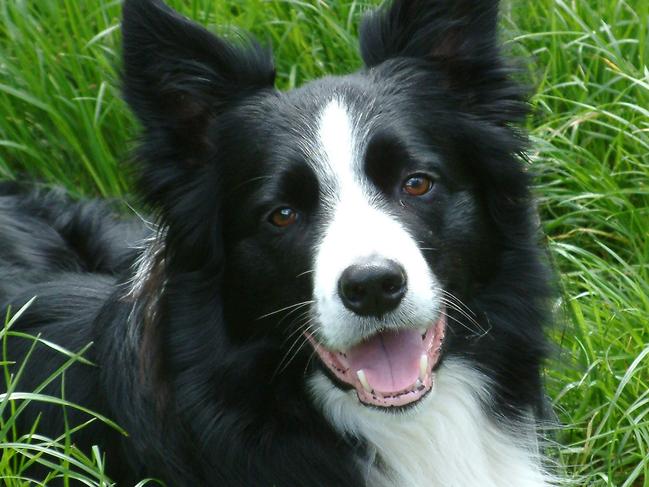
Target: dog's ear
x,y
430,29
177,75
180,80
460,37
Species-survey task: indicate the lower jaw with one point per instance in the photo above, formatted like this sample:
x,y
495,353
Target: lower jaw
x,y
403,399
368,401
412,406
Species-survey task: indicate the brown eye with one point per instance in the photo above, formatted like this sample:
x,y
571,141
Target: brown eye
x,y
418,185
283,217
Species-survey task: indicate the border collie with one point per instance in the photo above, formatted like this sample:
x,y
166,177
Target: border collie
x,y
344,284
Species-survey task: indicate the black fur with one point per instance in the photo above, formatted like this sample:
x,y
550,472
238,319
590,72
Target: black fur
x,y
183,362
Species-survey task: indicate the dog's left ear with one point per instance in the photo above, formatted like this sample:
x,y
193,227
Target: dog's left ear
x,y
458,36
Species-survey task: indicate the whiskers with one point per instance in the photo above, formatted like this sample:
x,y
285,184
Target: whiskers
x,y
291,309
427,249
305,273
456,304
299,340
297,337
452,302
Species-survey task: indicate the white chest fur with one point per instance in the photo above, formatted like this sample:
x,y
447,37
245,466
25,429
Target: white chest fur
x,y
448,441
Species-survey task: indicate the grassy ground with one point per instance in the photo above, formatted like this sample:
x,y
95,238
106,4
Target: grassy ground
x,y
62,121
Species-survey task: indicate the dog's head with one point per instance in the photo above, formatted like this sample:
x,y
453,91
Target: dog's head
x,y
356,216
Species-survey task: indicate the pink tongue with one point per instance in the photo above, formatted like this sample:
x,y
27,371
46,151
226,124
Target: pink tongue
x,y
390,360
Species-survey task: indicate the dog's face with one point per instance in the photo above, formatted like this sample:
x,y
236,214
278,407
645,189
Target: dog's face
x,y
351,214
352,218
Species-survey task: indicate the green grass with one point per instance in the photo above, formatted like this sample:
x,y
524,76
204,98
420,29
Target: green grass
x,y
591,134
19,450
62,121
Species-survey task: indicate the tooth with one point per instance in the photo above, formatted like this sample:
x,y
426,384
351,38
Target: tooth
x,y
422,331
418,384
423,367
361,377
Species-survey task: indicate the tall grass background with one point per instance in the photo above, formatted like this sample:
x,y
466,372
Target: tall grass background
x,y
62,122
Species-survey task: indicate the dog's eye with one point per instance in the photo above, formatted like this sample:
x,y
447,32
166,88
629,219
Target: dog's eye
x,y
418,184
283,217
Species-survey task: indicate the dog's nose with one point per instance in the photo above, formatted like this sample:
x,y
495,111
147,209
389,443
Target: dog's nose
x,y
373,288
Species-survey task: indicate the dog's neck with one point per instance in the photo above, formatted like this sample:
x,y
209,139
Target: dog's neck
x,y
148,270
446,441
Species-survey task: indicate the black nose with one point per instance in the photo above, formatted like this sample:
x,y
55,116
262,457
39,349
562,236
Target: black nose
x,y
373,288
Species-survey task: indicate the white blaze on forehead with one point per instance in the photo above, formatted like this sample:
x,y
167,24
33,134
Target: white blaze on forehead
x,y
357,227
338,151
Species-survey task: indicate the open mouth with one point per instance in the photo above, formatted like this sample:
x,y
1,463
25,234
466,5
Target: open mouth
x,y
390,369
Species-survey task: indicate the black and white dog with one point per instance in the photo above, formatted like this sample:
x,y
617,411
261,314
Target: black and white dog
x,y
344,286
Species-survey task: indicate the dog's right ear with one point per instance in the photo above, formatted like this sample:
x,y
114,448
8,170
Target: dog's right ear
x,y
179,80
177,76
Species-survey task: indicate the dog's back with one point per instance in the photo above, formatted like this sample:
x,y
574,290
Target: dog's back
x,y
66,256
47,231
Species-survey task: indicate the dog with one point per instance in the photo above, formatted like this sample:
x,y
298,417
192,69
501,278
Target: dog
x,y
343,284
